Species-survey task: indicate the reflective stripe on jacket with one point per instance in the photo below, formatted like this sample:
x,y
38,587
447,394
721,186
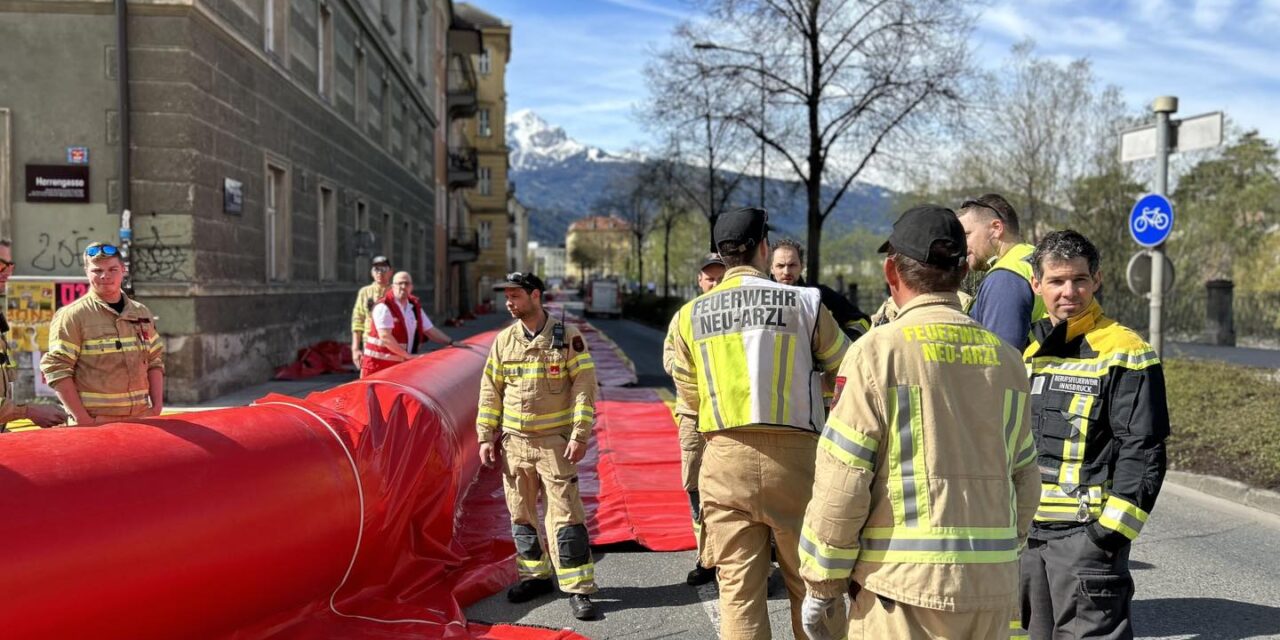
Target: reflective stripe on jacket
x,y
1100,417
107,354
925,483
753,351
531,387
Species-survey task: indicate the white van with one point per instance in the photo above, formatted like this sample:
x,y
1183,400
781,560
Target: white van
x,y
603,299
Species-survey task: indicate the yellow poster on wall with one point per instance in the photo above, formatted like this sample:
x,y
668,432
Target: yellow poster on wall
x,y
30,310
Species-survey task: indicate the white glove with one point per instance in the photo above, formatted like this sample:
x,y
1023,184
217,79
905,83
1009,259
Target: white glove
x,y
823,619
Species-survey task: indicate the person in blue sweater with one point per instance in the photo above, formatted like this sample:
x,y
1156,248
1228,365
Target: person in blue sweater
x,y
1005,303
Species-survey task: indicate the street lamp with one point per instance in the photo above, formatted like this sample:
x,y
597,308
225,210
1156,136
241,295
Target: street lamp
x,y
710,46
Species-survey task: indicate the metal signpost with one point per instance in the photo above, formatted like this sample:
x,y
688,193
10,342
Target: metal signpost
x,y
1151,220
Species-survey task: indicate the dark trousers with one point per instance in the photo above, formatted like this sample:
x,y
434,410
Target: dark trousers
x,y
1073,589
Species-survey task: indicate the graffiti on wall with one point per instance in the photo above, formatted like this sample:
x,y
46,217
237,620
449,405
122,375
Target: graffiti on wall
x,y
157,257
60,252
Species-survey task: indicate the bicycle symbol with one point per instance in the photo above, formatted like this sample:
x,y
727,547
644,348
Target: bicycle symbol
x,y
1152,217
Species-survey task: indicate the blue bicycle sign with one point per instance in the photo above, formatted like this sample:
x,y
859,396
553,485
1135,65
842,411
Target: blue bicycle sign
x,y
1151,220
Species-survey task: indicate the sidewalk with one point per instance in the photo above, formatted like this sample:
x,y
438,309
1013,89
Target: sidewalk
x,y
300,388
1249,357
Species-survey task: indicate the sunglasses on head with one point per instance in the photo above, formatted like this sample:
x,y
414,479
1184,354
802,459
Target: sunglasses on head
x,y
969,204
101,249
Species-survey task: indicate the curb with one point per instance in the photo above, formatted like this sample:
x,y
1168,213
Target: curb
x,y
1229,490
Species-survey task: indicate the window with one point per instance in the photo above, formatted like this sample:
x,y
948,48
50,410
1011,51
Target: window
x,y
407,23
364,239
276,223
361,82
482,123
275,26
424,43
484,183
388,239
324,53
486,234
483,62
407,258
327,234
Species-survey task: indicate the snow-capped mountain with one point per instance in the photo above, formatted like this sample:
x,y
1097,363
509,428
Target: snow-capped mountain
x,y
535,143
560,180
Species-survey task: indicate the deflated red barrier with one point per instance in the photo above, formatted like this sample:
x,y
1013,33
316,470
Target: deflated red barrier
x,y
317,359
639,496
330,517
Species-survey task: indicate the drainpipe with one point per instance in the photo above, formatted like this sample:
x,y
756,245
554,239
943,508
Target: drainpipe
x,y
122,78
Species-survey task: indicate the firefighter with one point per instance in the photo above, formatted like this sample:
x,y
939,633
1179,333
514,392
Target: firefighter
x,y
691,443
1101,419
1005,303
368,296
42,415
925,483
105,359
748,364
786,265
538,391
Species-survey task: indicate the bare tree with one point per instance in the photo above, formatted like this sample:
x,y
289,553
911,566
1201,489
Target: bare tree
x,y
843,78
697,113
636,198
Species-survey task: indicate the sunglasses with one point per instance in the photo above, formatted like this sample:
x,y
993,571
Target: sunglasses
x,y
101,249
968,204
5,264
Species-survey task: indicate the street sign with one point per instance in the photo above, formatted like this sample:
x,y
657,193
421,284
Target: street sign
x,y
1188,134
1138,275
1151,220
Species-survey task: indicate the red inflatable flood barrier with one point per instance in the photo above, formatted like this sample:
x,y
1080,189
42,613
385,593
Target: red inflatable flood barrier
x,y
330,517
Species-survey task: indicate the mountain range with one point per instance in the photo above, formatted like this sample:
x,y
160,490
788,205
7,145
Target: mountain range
x,y
560,179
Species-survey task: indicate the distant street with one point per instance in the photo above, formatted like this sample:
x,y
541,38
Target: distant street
x,y
1205,569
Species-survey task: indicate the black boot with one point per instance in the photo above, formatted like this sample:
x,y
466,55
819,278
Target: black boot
x,y
530,589
700,575
583,608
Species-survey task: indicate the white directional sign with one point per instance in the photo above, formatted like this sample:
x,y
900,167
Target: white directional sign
x,y
1188,134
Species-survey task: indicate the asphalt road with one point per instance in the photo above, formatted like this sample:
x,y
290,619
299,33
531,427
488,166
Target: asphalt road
x,y
1205,569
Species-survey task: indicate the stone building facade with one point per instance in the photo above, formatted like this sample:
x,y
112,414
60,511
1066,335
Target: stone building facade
x,y
326,117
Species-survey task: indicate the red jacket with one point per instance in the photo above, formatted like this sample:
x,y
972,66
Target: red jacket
x,y
376,355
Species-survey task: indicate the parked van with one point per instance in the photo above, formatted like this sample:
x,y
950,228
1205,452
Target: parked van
x,y
604,298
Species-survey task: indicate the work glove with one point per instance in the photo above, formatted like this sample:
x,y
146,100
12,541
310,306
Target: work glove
x,y
823,618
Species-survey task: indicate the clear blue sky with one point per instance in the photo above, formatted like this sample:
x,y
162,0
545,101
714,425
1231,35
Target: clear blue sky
x,y
579,63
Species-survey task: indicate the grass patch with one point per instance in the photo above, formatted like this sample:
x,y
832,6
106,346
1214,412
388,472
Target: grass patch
x,y
1225,420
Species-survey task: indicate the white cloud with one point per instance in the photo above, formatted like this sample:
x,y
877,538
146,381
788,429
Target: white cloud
x,y
1151,10
651,7
1210,15
1006,20
1091,32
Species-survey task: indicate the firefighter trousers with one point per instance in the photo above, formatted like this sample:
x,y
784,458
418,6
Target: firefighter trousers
x,y
753,484
536,464
1072,589
874,617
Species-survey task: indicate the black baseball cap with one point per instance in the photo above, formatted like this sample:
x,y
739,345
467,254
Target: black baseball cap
x,y
380,261
916,232
710,259
740,230
527,281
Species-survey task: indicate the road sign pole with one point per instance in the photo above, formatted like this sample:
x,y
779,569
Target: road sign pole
x,y
1163,106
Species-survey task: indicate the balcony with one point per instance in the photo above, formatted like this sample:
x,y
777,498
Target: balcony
x,y
464,245
463,164
462,100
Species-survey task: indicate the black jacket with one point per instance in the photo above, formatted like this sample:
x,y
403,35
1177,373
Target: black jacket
x,y
1100,420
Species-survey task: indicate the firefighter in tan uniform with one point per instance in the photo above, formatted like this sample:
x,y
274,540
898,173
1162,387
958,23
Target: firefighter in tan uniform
x,y
366,299
105,359
926,480
40,414
691,442
539,391
748,365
